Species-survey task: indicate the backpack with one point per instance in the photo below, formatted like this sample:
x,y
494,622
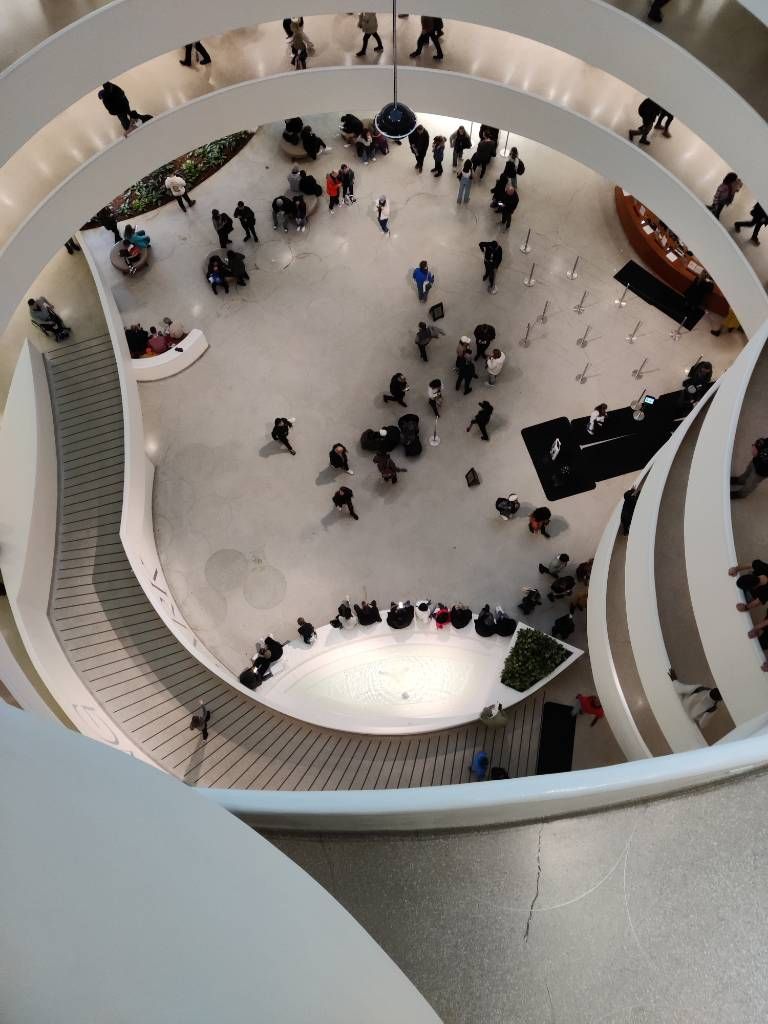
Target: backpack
x,y
521,168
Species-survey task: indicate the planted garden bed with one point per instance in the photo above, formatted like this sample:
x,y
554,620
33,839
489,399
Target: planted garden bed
x,y
534,656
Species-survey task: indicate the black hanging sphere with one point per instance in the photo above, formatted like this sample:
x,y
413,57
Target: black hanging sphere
x,y
395,121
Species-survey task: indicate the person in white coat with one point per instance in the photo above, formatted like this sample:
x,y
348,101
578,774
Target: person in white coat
x,y
178,189
700,702
368,23
494,364
423,610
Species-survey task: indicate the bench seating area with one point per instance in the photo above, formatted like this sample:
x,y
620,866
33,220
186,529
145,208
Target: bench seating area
x,y
176,359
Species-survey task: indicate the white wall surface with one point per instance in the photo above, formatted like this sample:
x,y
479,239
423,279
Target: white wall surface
x,y
128,897
327,89
628,47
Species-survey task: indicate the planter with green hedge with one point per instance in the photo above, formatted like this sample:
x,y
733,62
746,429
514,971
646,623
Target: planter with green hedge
x,y
150,193
534,656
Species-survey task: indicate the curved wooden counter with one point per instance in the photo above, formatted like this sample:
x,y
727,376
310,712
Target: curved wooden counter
x,y
676,273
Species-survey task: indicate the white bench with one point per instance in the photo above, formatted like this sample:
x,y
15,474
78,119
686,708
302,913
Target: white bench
x,y
172,361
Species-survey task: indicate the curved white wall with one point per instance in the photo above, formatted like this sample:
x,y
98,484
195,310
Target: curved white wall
x,y
625,46
328,89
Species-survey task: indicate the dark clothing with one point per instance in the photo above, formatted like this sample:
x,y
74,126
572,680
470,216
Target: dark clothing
x,y
137,341
466,374
628,509
397,389
223,225
116,103
508,204
563,627
247,219
343,499
484,153
312,143
200,720
338,460
308,186
482,419
505,626
306,631
460,617
485,623
429,33
492,253
275,649
280,433
107,220
205,57
419,143
484,335
400,618
367,614
759,220
236,263
386,466
351,125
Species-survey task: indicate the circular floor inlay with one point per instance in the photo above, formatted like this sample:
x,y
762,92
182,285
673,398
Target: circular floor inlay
x,y
274,256
264,587
226,569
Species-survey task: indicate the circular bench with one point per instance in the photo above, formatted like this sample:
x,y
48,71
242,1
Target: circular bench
x,y
120,264
176,359
222,254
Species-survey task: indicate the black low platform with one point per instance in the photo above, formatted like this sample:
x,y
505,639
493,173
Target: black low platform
x,y
565,476
558,730
656,293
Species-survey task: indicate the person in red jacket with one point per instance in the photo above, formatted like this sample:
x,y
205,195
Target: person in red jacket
x,y
588,704
333,188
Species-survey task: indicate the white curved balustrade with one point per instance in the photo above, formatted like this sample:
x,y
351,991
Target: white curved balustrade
x,y
226,111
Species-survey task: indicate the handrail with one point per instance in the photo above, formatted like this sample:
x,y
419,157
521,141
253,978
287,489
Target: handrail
x,y
265,100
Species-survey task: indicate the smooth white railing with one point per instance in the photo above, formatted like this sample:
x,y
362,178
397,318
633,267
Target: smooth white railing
x,y
462,96
710,549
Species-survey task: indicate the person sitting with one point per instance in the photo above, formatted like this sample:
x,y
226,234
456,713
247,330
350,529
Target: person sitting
x,y
292,133
137,339
350,127
505,625
563,627
274,647
158,343
136,236
400,616
43,314
294,177
282,212
313,144
260,667
531,600
380,142
217,275
236,264
364,145
423,610
308,185
346,618
390,438
306,631
461,616
175,329
485,623
441,615
367,613
562,586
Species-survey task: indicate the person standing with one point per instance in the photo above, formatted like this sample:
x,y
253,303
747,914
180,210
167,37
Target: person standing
x,y
368,24
695,295
333,188
299,47
281,430
648,110
418,140
205,57
481,420
424,279
428,34
494,364
759,220
386,466
247,219
485,152
508,204
492,256
236,265
338,457
343,499
222,225
555,565
628,509
106,219
725,193
116,103
300,212
755,472
458,142
282,211
424,335
597,419
382,214
539,520
347,179
398,386
465,372
514,167
484,335
463,348
199,721
435,395
587,704
438,154
178,189
465,176
306,631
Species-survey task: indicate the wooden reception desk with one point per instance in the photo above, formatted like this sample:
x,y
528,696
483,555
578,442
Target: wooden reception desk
x,y
660,249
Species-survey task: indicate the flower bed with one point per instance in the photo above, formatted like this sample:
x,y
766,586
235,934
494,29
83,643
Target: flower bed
x,y
532,658
194,167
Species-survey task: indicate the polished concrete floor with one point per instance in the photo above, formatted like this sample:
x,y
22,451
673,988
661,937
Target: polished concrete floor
x,y
650,914
246,533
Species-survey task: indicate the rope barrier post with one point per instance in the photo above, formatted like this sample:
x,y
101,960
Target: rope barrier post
x,y
530,281
525,340
572,274
582,341
622,299
525,247
632,338
582,377
580,307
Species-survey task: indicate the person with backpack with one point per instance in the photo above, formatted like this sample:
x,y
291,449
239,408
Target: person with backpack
x,y
492,257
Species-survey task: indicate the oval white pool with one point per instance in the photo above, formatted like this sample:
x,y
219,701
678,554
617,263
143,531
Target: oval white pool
x,y
378,680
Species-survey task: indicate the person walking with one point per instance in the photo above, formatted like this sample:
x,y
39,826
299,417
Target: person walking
x,y
756,470
465,176
539,520
247,219
648,110
438,154
342,499
398,386
386,466
178,189
338,457
205,57
481,420
306,631
418,140
429,34
587,704
492,256
281,430
663,121
222,225
458,142
333,188
725,193
654,11
106,219
514,167
382,214
628,509
347,179
116,103
484,335
368,24
759,218
465,372
508,204
485,152
555,566
435,395
199,721
424,335
424,279
494,364
729,323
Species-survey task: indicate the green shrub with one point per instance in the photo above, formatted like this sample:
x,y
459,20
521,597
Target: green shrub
x,y
532,658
